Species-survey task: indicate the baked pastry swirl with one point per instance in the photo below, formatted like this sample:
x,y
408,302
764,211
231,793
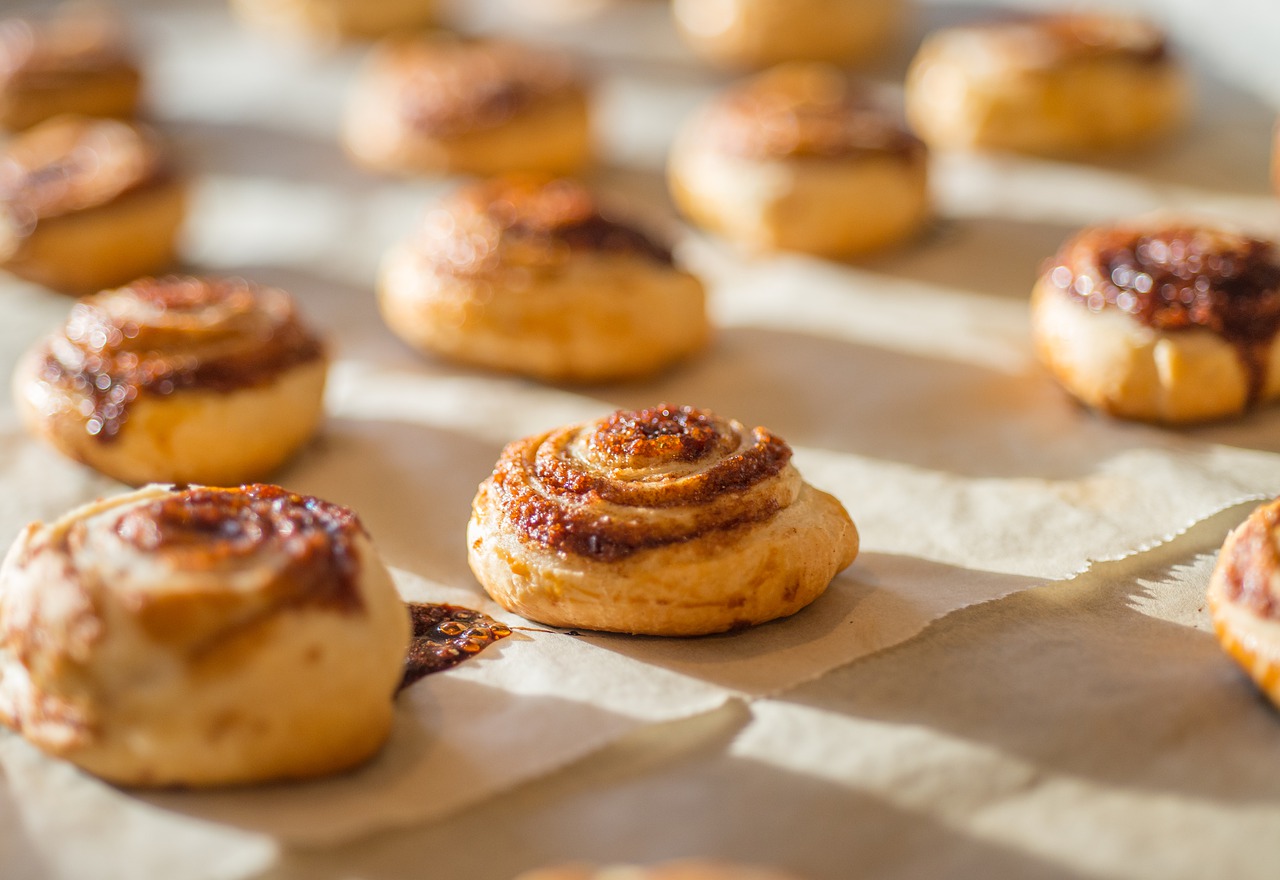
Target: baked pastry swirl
x,y
797,158
1053,85
199,636
87,204
1244,597
663,521
431,105
757,33
200,380
331,21
1163,321
528,275
71,61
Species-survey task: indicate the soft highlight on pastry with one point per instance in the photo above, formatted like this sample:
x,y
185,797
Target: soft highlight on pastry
x,y
1163,320
200,637
757,33
680,869
1244,598
73,60
437,105
534,276
179,379
87,204
663,521
1063,84
798,158
328,22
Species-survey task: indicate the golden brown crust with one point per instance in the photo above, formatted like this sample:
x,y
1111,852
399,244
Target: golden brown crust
x,y
87,203
72,61
667,521
200,636
532,275
134,369
433,104
798,159
1183,316
1244,597
1054,85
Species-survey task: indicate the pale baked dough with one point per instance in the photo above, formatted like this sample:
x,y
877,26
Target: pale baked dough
x,y
193,434
499,108
711,578
757,33
116,215
1061,85
1112,362
331,21
682,869
869,191
219,657
1251,638
71,61
535,305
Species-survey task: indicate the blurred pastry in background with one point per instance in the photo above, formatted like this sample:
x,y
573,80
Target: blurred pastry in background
x,y
1162,321
87,204
177,380
798,158
435,105
73,60
1052,85
532,275
759,33
192,636
332,21
665,521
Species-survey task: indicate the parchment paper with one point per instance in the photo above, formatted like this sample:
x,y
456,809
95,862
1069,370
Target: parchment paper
x,y
905,385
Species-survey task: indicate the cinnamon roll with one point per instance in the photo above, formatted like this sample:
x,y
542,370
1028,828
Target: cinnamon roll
x,y
1162,321
186,380
199,637
529,276
1244,601
798,159
87,204
1051,85
757,33
431,105
663,521
332,21
74,60
682,869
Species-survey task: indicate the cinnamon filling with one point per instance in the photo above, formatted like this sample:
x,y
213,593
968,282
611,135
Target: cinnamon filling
x,y
1181,278
444,636
1253,562
706,474
209,528
170,335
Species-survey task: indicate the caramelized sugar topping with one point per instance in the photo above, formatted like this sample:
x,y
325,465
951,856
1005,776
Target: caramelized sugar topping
x,y
639,479
164,336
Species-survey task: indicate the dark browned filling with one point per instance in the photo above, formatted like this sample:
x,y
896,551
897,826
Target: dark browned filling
x,y
450,89
810,116
111,371
1252,563
1181,279
209,527
601,234
444,636
551,501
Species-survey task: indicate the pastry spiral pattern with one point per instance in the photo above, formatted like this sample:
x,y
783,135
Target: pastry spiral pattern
x,y
1244,597
669,520
87,203
200,636
132,368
